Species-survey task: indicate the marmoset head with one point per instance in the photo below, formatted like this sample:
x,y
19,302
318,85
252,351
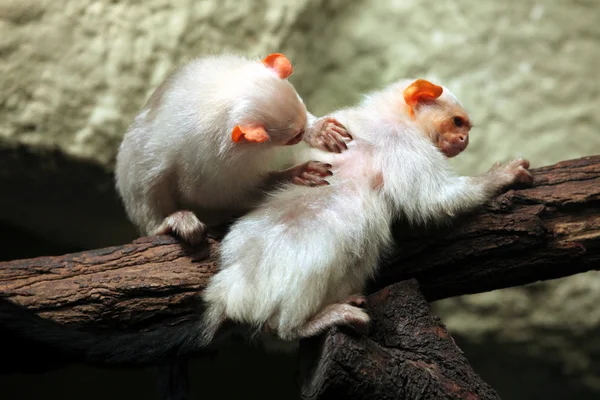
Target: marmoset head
x,y
271,110
439,115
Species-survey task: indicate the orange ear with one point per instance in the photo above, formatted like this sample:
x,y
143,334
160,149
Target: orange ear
x,y
421,90
279,63
251,133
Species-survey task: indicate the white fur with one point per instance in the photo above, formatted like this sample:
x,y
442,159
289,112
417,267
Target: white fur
x,y
306,248
178,153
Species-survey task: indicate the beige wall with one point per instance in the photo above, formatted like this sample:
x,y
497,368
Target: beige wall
x,y
73,73
528,71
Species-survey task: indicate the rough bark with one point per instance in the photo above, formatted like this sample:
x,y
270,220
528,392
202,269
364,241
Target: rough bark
x,y
547,231
544,232
149,280
408,355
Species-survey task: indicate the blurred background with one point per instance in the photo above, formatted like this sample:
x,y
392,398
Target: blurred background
x,y
74,73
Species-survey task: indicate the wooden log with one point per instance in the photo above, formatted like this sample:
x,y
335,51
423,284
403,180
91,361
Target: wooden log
x,y
547,231
408,355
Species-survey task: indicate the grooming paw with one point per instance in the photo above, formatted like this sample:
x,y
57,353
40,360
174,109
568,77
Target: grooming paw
x,y
311,173
328,134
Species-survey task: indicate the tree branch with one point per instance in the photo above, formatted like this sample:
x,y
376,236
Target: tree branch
x,y
548,231
408,355
544,232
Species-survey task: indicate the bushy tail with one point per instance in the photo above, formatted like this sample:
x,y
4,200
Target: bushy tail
x,y
109,349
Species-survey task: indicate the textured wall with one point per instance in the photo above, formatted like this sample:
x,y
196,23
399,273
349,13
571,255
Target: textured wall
x,y
74,72
527,70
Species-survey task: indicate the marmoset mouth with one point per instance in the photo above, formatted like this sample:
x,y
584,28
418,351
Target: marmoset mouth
x,y
451,149
296,139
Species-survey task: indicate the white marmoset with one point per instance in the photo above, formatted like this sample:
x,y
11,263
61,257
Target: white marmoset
x,y
212,138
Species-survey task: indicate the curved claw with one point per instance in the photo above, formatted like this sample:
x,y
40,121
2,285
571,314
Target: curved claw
x,y
312,173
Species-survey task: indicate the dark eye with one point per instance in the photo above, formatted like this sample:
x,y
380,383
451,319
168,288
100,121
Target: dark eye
x,y
459,122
